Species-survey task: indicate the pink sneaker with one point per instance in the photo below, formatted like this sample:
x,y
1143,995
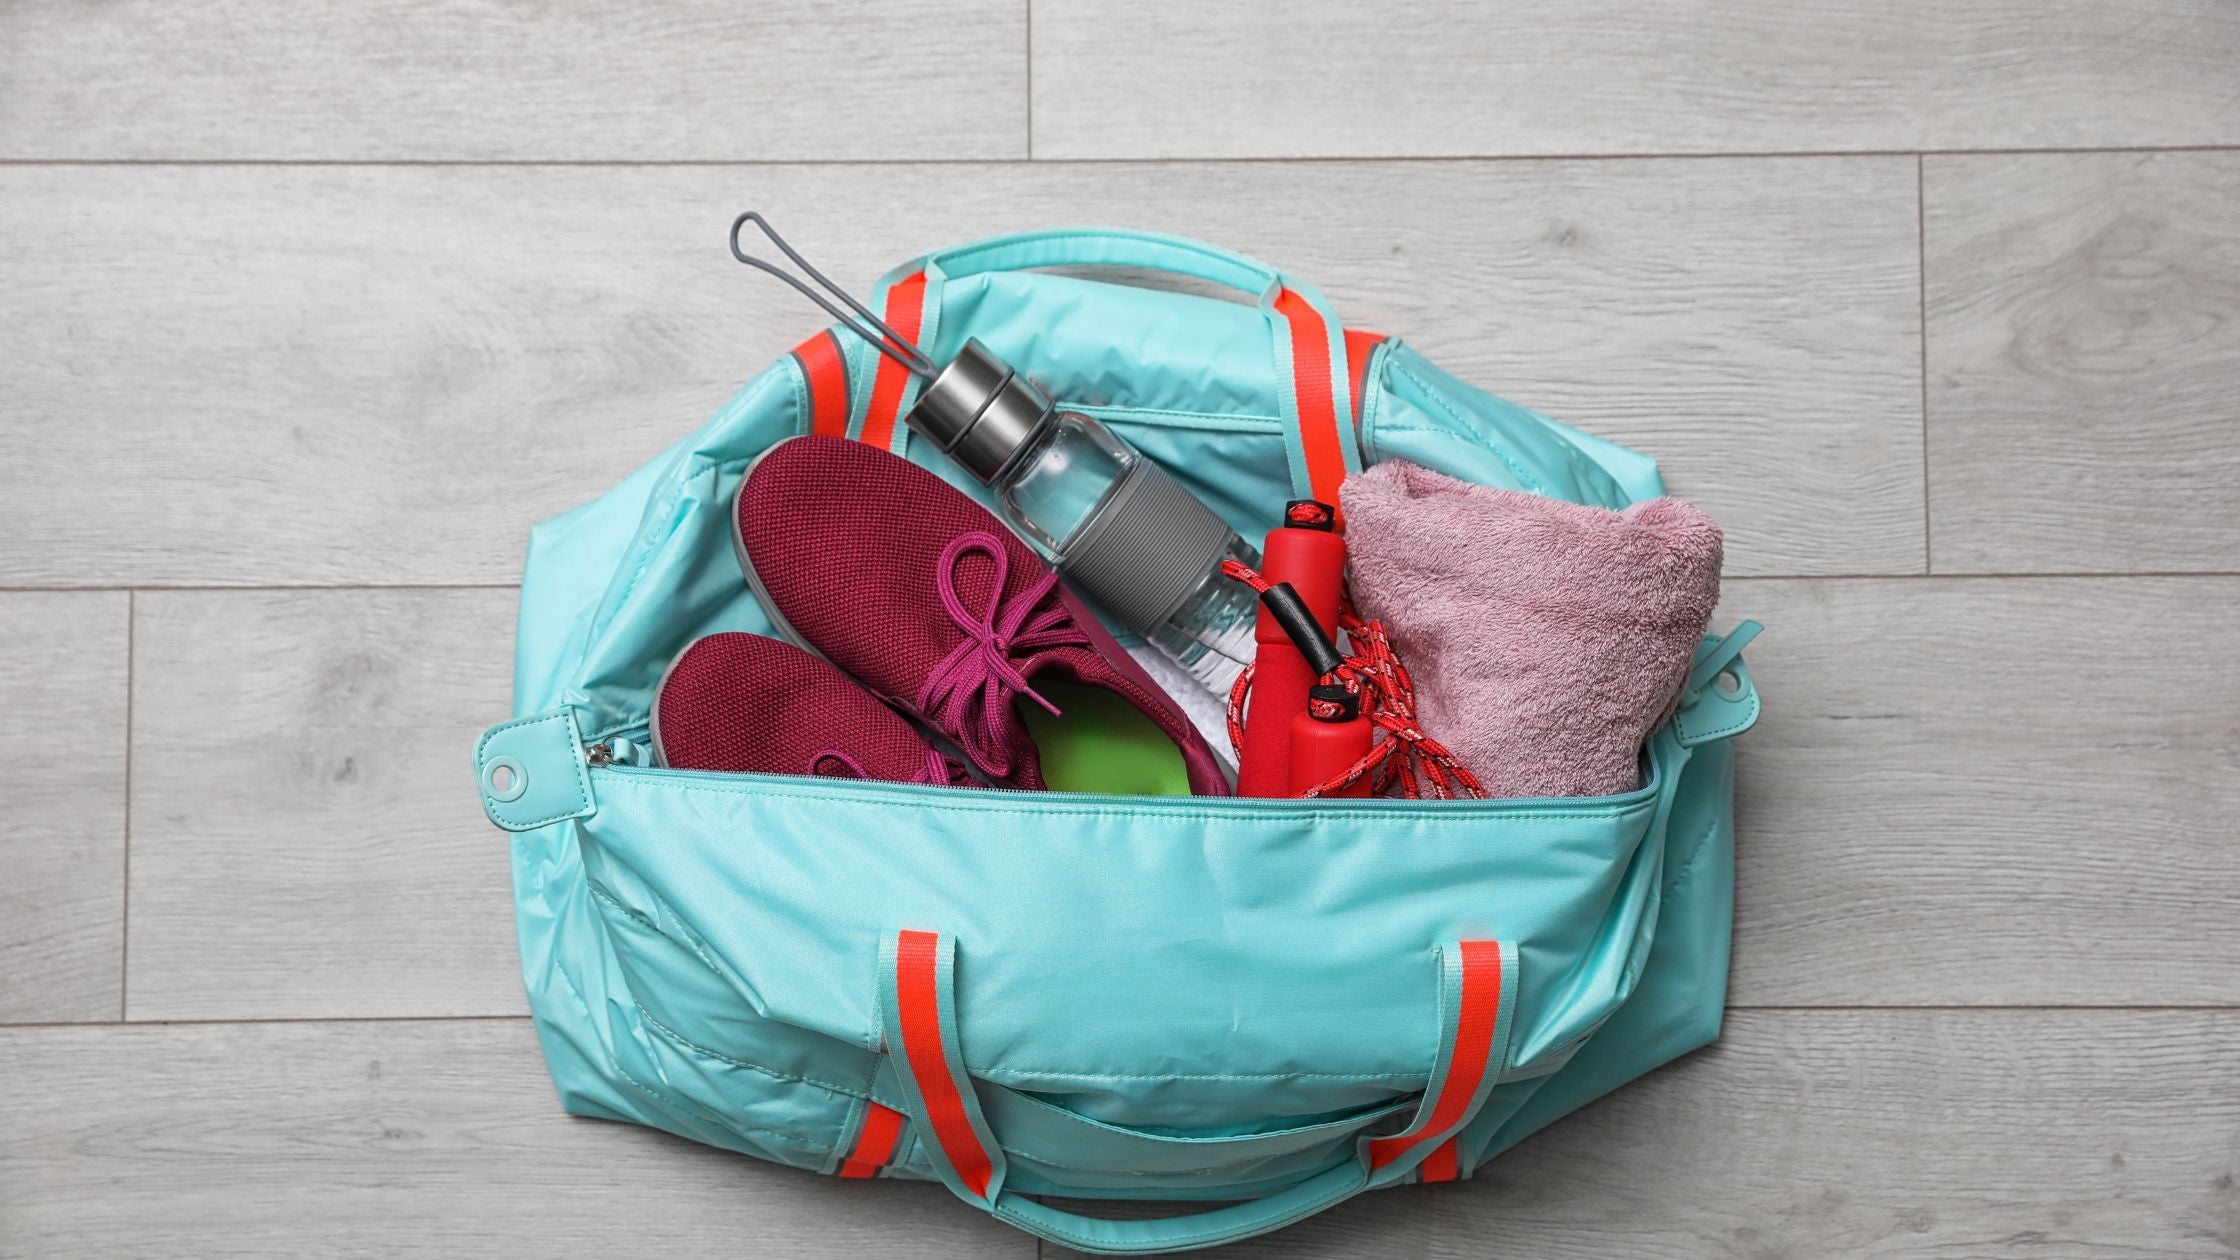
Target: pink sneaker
x,y
745,704
926,598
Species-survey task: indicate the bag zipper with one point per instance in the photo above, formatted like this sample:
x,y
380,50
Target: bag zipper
x,y
606,758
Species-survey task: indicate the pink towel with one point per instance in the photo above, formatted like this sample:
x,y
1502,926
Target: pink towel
x,y
1546,639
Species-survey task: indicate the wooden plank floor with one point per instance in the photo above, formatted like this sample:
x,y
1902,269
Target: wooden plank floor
x,y
307,313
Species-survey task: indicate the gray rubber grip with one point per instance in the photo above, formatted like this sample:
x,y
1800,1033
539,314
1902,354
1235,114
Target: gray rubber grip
x,y
1147,550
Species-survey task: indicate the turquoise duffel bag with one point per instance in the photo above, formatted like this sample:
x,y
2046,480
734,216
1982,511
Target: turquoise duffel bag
x,y
1035,997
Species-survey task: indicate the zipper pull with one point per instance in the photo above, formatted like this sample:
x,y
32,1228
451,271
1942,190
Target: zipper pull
x,y
618,751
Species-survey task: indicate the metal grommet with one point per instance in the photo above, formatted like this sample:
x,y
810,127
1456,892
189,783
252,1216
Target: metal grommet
x,y
505,779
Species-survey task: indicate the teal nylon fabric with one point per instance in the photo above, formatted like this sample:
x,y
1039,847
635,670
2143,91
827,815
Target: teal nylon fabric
x,y
1183,999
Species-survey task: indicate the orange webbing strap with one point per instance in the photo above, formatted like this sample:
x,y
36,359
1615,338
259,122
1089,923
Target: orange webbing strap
x,y
890,382
921,1033
1477,996
876,1140
824,369
1322,442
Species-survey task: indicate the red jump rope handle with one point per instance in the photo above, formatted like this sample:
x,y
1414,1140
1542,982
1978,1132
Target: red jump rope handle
x,y
1305,553
1327,740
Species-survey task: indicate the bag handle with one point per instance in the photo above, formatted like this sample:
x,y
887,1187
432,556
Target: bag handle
x,y
1477,999
1312,352
1116,247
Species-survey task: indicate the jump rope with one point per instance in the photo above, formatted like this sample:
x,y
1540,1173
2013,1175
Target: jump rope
x,y
1315,733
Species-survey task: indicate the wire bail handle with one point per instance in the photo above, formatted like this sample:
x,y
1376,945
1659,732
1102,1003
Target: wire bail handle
x,y
862,322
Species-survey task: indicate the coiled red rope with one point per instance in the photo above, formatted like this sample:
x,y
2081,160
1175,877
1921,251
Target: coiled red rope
x,y
1405,757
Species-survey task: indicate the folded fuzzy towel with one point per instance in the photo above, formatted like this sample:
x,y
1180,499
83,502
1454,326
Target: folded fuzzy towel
x,y
1546,639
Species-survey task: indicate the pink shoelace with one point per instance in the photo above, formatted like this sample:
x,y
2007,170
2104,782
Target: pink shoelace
x,y
938,771
965,696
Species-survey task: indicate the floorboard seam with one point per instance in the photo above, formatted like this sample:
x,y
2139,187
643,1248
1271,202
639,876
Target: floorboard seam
x,y
267,1019
1206,160
124,908
1029,6
1963,576
1921,284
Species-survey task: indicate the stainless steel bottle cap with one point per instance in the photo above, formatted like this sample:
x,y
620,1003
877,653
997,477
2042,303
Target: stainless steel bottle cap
x,y
979,412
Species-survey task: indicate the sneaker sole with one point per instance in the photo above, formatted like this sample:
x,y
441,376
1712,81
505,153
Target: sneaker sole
x,y
653,714
762,599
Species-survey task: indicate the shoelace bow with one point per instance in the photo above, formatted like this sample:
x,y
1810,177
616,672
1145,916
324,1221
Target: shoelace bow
x,y
938,771
966,695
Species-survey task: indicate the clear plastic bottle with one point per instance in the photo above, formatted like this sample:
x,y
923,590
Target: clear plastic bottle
x,y
1120,529
1069,472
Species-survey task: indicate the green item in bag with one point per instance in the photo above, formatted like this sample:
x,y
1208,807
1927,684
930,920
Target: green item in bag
x,y
1100,743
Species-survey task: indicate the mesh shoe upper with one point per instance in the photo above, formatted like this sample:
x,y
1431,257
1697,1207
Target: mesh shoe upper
x,y
745,704
925,597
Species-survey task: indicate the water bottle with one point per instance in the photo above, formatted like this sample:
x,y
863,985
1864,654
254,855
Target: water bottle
x,y
1118,528
1114,523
